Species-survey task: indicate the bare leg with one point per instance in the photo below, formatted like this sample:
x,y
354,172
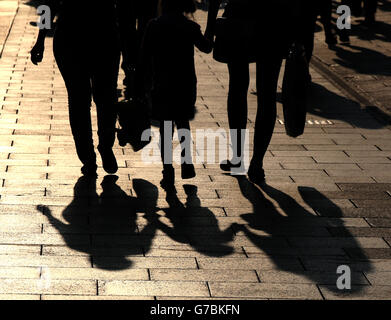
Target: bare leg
x,y
237,107
268,70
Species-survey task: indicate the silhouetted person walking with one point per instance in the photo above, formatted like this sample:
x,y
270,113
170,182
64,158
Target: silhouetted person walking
x,y
357,6
168,62
133,18
185,225
278,23
322,8
86,48
370,8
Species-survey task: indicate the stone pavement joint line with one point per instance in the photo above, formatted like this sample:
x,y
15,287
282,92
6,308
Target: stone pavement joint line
x,y
8,9
327,202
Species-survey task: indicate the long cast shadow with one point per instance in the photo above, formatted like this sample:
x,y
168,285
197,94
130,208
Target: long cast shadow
x,y
341,108
185,220
304,233
110,235
363,60
328,105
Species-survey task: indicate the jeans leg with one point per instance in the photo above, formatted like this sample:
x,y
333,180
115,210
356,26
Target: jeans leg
x,y
184,137
74,70
104,86
326,16
239,80
370,7
268,70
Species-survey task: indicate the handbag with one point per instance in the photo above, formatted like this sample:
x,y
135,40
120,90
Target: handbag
x,y
236,40
295,91
134,120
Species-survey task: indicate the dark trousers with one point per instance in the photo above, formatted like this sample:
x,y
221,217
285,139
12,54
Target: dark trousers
x,y
322,8
133,20
370,7
268,70
89,70
166,141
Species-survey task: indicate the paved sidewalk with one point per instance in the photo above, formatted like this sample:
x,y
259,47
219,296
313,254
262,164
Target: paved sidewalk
x,y
7,13
327,202
363,67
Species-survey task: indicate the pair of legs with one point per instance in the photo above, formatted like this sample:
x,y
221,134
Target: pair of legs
x,y
133,19
184,137
370,8
267,73
90,71
322,8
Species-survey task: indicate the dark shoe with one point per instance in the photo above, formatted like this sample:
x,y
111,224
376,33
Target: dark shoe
x,y
369,22
229,166
331,39
89,170
108,159
187,171
256,175
168,181
344,38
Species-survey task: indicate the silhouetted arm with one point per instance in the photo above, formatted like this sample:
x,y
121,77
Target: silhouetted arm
x,y
213,10
39,47
201,41
53,221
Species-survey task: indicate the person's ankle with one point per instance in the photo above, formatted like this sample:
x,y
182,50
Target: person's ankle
x,y
187,171
108,159
168,181
89,170
256,174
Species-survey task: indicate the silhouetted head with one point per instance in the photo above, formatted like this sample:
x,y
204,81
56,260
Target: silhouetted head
x,y
109,180
114,263
110,187
192,197
146,191
319,202
177,6
85,186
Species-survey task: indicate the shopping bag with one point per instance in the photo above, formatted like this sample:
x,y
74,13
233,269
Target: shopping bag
x,y
295,91
135,124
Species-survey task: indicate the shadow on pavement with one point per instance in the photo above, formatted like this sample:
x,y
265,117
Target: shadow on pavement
x,y
208,240
304,232
351,56
110,236
331,106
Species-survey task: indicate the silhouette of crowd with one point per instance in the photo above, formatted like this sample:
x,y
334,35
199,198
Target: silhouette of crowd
x,y
156,39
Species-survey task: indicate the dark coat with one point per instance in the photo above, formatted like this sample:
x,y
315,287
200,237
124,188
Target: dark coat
x,y
279,22
89,24
168,63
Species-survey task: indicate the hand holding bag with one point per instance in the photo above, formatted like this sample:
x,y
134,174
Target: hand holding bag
x,y
295,91
133,117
